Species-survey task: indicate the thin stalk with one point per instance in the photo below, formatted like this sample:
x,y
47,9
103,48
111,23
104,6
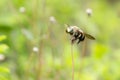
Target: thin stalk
x,y
72,61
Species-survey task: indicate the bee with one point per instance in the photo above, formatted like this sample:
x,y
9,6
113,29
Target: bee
x,y
77,34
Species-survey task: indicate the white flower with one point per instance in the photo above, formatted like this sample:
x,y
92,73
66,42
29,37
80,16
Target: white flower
x,y
52,19
22,9
89,11
2,57
35,49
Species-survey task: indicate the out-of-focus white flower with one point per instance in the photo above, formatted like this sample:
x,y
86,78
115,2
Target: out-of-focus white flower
x,y
35,49
22,9
52,19
89,11
2,57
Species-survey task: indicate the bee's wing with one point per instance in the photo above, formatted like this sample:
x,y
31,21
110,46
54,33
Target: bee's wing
x,y
89,36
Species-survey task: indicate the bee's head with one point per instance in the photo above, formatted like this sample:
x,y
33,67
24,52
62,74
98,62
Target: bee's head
x,y
69,30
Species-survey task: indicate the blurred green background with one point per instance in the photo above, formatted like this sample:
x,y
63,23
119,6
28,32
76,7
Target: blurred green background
x,y
34,45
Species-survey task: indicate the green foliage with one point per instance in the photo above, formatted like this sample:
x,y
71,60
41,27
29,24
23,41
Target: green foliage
x,y
2,37
99,50
3,47
36,47
4,73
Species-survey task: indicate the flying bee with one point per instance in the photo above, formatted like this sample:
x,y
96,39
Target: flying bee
x,y
77,34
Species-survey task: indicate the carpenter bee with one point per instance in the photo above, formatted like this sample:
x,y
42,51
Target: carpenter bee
x,y
77,34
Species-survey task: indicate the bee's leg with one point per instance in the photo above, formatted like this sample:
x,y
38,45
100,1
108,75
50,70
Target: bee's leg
x,y
73,39
78,41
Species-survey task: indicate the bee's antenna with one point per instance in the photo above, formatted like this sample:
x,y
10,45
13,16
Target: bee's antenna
x,y
66,25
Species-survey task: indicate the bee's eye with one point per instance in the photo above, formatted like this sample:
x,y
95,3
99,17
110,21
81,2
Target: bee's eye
x,y
69,29
71,32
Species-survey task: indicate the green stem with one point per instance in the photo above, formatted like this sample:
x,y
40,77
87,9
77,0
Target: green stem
x,y
72,61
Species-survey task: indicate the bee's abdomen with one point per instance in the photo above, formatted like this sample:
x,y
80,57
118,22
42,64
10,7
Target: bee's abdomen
x,y
81,38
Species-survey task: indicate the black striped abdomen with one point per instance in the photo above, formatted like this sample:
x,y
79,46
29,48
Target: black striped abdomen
x,y
81,37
